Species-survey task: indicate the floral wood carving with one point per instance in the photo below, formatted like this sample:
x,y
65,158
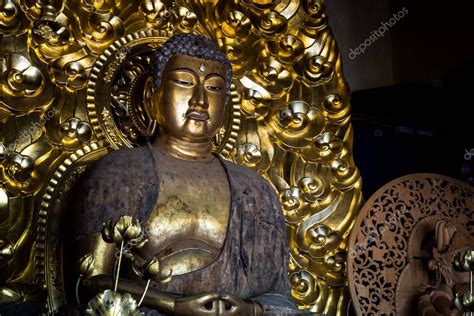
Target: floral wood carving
x,y
405,232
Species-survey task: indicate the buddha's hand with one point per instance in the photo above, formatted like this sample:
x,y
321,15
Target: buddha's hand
x,y
215,304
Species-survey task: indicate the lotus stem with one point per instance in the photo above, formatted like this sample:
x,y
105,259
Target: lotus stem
x,y
470,292
472,284
144,293
77,289
118,267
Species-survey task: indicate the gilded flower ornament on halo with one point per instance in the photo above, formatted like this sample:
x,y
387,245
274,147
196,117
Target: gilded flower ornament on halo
x,y
51,31
294,206
247,154
12,18
287,48
317,17
18,77
255,103
236,53
335,267
272,23
74,132
152,11
8,13
315,70
314,189
71,70
322,240
343,174
19,167
328,146
335,109
305,287
102,29
186,18
236,24
296,124
272,75
336,263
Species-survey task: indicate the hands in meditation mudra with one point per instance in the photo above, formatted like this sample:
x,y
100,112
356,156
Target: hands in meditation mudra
x,y
212,237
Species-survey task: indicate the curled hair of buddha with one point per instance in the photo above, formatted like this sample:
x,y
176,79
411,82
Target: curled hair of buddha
x,y
190,45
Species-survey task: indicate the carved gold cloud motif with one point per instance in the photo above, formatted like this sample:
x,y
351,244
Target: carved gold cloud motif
x,y
18,77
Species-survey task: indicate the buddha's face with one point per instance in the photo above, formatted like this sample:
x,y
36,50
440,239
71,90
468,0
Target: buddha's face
x,y
190,102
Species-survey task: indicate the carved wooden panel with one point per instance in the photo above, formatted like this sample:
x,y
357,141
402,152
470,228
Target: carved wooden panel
x,y
404,242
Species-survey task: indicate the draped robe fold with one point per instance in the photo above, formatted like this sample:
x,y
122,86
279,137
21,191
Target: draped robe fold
x,y
253,261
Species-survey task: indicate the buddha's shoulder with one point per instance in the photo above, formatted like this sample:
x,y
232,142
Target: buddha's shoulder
x,y
126,155
122,162
246,176
253,188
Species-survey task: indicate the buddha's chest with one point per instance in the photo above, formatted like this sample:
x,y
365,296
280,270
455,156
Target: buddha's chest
x,y
188,224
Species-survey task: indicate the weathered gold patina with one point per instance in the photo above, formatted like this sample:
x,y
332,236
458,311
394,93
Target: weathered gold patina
x,y
192,217
71,91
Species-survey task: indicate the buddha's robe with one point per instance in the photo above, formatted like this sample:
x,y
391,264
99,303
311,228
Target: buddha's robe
x,y
253,261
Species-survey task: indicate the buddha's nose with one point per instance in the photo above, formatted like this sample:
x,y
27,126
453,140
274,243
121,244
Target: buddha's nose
x,y
199,98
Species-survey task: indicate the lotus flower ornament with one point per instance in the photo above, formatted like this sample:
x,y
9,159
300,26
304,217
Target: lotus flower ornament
x,y
110,303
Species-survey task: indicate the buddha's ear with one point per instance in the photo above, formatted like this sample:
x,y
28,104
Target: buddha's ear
x,y
148,90
148,105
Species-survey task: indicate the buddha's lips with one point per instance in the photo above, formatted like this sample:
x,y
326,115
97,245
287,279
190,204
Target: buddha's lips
x,y
197,115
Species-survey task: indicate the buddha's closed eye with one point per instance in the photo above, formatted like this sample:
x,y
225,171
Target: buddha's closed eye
x,y
183,82
214,88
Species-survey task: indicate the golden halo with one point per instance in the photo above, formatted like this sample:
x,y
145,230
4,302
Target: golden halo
x,y
115,97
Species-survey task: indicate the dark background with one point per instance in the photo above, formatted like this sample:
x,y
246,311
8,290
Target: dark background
x,y
412,90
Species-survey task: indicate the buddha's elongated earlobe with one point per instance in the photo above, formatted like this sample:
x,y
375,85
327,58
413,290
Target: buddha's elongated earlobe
x,y
148,91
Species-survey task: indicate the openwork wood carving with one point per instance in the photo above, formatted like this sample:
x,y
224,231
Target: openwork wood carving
x,y
410,231
71,76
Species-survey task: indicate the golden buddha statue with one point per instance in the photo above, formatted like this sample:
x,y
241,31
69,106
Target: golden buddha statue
x,y
215,228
